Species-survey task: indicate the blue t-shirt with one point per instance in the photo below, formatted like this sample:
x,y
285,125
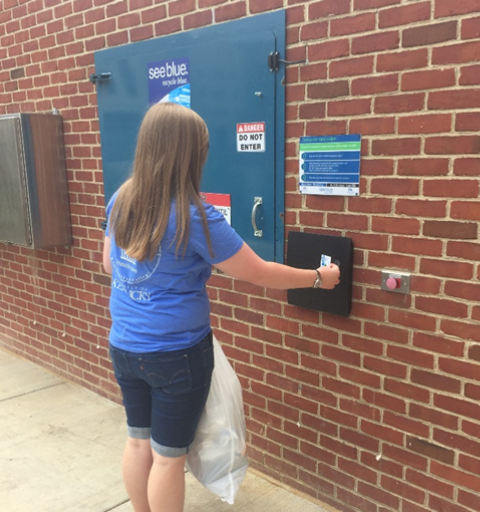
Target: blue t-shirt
x,y
162,304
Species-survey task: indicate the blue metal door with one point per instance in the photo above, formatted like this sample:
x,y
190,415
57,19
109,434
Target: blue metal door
x,y
232,87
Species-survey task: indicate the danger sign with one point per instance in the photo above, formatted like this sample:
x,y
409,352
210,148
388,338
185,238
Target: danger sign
x,y
250,137
222,203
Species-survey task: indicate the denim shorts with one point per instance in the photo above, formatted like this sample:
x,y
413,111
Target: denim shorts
x,y
164,393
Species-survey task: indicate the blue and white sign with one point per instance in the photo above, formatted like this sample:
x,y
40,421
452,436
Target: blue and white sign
x,y
330,165
169,80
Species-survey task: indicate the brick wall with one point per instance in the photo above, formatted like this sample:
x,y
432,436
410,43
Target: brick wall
x,y
375,413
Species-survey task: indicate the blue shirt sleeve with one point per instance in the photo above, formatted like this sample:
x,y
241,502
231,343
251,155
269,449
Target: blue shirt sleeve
x,y
108,211
225,240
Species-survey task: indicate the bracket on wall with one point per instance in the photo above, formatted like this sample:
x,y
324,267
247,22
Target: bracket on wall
x,y
274,61
101,77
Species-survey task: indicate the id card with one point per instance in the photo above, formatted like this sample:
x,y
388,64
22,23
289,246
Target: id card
x,y
325,260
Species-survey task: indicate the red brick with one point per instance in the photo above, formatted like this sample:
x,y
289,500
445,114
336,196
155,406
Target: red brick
x,y
431,79
231,11
395,186
433,123
197,19
141,33
377,494
257,6
460,329
420,207
413,321
372,4
434,416
469,500
404,146
445,8
423,167
375,42
407,458
312,111
456,53
430,484
429,34
451,188
328,50
399,103
470,75
350,221
313,72
416,246
462,369
179,7
467,291
437,504
373,126
454,475
170,26
316,30
435,381
384,401
407,425
401,488
462,407
468,122
352,24
325,8
157,13
374,85
407,390
442,307
449,229
351,67
453,145
404,15
403,60
326,128
354,500
467,98
465,210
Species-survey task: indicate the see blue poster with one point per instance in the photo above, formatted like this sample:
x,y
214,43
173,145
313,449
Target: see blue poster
x,y
169,80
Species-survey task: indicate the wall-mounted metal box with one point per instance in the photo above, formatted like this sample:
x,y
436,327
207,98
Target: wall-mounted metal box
x,y
34,209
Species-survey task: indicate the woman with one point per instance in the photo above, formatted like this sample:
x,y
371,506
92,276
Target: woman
x,y
160,246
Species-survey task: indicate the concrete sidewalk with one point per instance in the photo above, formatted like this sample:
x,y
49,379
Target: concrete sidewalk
x,y
61,447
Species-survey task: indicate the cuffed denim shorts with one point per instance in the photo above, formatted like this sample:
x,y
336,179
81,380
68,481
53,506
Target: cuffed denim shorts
x,y
164,393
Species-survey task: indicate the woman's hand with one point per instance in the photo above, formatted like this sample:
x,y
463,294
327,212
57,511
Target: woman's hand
x,y
330,276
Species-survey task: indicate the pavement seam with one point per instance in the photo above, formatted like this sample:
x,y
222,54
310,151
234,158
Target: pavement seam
x,y
115,506
31,392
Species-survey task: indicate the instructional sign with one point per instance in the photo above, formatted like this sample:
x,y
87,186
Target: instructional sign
x,y
222,202
330,165
250,137
169,80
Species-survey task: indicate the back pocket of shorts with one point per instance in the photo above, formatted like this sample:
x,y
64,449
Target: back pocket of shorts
x,y
172,374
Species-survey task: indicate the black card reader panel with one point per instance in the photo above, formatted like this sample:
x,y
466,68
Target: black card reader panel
x,y
305,251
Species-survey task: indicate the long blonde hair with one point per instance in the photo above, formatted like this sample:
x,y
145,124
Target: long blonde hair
x,y
171,151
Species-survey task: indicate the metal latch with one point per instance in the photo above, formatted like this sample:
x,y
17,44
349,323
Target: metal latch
x,y
274,61
101,77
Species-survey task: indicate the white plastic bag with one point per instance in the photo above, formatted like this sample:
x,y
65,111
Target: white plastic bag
x,y
217,456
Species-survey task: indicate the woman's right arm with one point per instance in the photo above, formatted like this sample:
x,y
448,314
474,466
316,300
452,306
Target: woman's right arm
x,y
248,266
107,264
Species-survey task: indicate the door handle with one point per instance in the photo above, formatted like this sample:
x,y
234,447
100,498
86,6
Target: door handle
x,y
257,201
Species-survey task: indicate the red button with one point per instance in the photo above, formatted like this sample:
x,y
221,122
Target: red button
x,y
393,283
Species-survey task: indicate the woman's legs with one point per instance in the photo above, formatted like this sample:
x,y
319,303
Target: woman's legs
x,y
136,466
166,484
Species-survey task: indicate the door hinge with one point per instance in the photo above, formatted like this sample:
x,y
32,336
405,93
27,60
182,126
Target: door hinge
x,y
274,61
101,77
